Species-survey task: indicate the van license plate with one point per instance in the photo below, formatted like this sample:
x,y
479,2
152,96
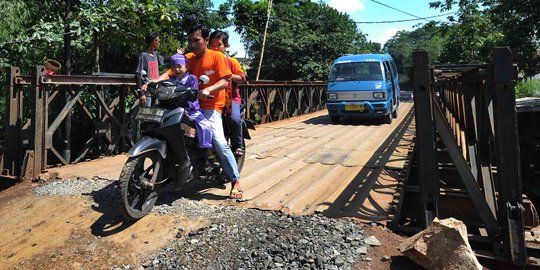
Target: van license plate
x,y
354,107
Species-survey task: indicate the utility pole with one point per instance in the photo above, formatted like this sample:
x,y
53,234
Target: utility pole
x,y
67,94
264,39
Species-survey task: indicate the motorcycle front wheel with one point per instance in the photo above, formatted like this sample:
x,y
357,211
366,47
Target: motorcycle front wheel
x,y
137,184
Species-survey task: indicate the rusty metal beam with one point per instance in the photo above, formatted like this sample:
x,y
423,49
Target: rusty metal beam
x,y
38,100
13,122
271,101
278,100
465,173
507,148
88,80
474,113
426,151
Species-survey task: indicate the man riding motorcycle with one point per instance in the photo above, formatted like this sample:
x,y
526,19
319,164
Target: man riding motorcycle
x,y
203,61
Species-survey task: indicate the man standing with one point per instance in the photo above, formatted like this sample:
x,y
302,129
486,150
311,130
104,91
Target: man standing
x,y
203,61
148,62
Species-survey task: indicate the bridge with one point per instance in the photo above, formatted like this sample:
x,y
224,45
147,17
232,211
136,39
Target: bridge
x,y
454,154
304,165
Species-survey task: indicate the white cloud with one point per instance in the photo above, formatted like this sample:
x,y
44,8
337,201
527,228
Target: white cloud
x,y
348,6
386,35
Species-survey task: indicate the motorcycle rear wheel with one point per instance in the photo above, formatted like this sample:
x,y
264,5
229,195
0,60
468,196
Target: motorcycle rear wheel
x,y
136,198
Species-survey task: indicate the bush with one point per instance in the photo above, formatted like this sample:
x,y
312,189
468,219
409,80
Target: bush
x,y
530,88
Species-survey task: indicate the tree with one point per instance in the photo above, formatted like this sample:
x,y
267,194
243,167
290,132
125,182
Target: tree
x,y
519,21
483,24
104,32
303,37
473,38
401,46
14,13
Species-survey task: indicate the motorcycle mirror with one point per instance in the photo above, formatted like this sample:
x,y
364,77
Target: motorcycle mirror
x,y
144,76
204,79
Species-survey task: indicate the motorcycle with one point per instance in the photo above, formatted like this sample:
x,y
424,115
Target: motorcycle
x,y
168,151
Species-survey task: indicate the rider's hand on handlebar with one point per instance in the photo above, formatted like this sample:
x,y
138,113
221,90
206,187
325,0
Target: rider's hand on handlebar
x,y
142,100
203,94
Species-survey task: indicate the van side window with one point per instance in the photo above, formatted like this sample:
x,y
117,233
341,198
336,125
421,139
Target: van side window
x,y
394,69
387,71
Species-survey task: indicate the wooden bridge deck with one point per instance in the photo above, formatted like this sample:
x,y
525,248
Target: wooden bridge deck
x,y
304,165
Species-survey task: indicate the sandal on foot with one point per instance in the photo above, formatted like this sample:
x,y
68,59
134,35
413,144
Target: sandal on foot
x,y
236,194
236,191
239,152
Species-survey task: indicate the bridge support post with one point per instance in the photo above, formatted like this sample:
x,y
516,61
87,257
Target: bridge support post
x,y
35,165
12,125
425,144
510,205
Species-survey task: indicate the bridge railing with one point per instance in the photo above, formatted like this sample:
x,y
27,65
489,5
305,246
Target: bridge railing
x,y
471,110
272,101
54,120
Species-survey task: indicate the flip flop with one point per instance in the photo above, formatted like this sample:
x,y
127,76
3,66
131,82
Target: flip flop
x,y
236,194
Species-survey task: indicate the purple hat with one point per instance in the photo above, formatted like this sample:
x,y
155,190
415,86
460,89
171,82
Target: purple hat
x,y
178,59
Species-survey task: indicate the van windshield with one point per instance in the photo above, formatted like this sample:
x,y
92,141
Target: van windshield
x,y
356,71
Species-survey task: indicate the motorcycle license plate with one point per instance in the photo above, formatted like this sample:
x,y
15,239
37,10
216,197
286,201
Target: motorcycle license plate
x,y
150,114
354,107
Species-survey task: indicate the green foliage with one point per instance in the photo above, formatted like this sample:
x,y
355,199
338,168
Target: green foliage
x,y
472,40
103,33
520,23
303,38
482,24
530,88
402,45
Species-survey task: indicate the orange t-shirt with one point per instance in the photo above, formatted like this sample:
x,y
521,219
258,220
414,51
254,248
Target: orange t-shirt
x,y
233,91
212,64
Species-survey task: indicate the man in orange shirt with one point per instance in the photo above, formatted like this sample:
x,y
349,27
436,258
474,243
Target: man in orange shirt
x,y
202,61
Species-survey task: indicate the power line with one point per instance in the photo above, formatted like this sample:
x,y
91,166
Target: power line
x,y
357,22
407,20
382,4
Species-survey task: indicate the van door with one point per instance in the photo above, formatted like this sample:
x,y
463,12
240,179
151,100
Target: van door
x,y
390,75
396,80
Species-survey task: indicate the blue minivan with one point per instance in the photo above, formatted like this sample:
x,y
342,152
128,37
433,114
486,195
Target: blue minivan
x,y
364,86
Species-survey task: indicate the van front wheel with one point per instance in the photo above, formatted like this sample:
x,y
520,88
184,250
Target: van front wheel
x,y
388,118
395,113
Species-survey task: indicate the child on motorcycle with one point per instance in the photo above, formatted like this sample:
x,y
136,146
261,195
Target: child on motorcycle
x,y
181,75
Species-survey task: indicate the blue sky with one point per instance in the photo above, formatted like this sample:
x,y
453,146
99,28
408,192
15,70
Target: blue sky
x,y
368,11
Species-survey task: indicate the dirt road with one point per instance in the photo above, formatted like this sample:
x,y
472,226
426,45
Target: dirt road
x,y
300,165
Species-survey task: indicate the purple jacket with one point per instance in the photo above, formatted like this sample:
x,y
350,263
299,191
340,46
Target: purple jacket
x,y
204,130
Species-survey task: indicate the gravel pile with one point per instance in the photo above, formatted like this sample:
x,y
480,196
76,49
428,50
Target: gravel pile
x,y
254,239
239,238
74,187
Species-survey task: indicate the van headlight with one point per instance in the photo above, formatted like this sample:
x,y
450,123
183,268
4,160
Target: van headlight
x,y
332,95
379,95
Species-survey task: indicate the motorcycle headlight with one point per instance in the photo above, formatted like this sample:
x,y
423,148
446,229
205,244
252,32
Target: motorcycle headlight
x,y
332,95
379,95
